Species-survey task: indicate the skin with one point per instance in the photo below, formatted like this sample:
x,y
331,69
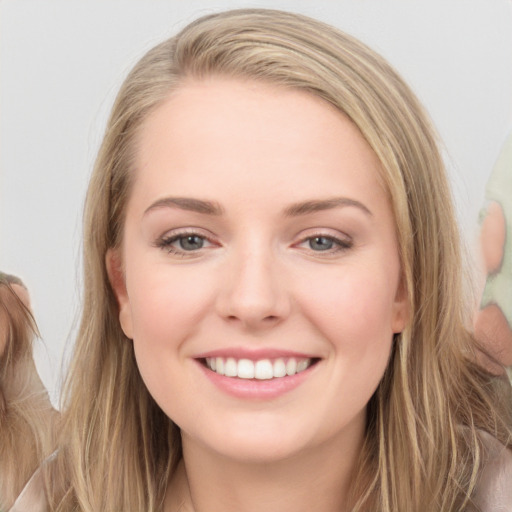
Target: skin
x,y
494,332
491,326
492,237
259,282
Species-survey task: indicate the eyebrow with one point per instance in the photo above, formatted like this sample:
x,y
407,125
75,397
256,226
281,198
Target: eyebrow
x,y
294,210
307,207
187,203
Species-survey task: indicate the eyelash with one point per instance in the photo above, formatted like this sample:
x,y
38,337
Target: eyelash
x,y
166,243
340,245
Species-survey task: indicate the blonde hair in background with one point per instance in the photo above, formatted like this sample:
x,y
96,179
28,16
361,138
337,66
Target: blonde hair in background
x,y
26,416
422,449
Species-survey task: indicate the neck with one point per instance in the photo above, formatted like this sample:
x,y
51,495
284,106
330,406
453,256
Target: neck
x,y
316,479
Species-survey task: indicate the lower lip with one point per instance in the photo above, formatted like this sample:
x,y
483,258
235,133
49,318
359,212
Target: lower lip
x,y
253,388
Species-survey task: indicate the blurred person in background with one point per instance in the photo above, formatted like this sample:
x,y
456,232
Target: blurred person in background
x,y
27,418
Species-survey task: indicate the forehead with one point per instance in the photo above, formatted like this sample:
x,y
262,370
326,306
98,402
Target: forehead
x,y
247,133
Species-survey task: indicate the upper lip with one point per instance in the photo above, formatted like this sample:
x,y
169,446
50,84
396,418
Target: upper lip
x,y
255,354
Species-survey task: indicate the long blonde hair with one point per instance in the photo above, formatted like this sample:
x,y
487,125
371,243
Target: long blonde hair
x,y
422,449
27,419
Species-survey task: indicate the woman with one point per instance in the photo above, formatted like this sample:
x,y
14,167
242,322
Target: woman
x,y
493,322
273,316
26,415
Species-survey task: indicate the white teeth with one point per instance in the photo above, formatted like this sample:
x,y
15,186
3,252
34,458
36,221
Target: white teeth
x,y
291,366
263,369
230,368
219,365
279,368
301,365
245,369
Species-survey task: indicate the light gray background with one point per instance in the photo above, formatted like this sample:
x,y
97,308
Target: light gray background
x,y
61,63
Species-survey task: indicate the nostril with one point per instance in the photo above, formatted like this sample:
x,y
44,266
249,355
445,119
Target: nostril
x,y
253,321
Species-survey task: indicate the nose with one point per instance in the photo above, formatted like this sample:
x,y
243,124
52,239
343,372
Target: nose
x,y
254,293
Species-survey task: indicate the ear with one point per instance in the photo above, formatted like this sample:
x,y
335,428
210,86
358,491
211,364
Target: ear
x,y
401,308
117,280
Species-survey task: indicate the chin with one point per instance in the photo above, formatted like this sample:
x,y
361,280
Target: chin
x,y
261,450
255,438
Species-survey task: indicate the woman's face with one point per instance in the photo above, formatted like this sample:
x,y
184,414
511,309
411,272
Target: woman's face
x,y
258,243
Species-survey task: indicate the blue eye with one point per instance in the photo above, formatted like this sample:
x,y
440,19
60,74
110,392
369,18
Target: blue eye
x,y
329,245
183,243
190,242
321,243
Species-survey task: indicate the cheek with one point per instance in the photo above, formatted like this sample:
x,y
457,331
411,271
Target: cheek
x,y
168,305
166,298
355,310
352,315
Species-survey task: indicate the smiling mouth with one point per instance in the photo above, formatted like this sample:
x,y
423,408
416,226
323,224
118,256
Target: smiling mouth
x,y
261,369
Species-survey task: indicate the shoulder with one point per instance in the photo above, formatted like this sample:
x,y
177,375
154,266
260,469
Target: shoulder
x,y
494,488
32,498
